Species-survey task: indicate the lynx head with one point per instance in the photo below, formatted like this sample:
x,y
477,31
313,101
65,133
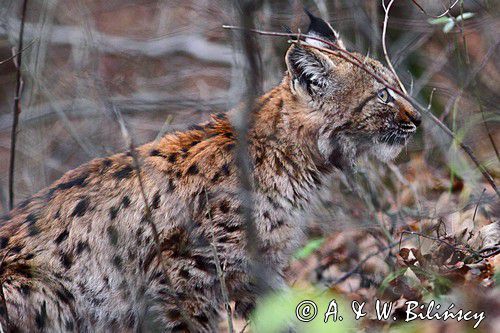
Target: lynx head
x,y
353,112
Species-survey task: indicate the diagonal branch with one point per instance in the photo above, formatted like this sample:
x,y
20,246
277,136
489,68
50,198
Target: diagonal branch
x,y
352,58
148,216
16,54
435,16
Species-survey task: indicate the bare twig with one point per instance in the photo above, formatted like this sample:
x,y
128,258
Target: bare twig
x,y
348,56
477,205
16,54
488,130
242,125
471,77
245,327
495,251
437,63
336,51
387,8
429,106
361,263
223,287
405,181
163,128
435,16
220,275
438,239
148,216
416,233
17,108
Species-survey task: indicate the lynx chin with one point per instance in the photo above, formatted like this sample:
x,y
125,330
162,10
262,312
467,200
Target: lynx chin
x,y
80,255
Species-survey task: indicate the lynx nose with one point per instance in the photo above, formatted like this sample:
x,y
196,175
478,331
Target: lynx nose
x,y
415,117
408,116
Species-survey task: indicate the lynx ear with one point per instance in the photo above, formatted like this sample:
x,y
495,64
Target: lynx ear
x,y
322,29
308,67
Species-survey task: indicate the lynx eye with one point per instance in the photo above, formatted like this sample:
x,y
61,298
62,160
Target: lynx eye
x,y
384,96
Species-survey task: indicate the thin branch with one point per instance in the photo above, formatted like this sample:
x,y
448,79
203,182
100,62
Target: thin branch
x,y
487,127
147,214
384,46
361,263
405,181
438,239
435,16
222,279
472,76
242,125
437,64
245,327
496,250
17,108
465,147
429,106
348,56
477,205
18,53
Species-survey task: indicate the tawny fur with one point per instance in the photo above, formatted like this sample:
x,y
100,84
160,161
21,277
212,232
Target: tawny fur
x,y
80,255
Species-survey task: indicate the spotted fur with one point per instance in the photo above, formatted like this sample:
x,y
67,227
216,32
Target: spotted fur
x,y
81,255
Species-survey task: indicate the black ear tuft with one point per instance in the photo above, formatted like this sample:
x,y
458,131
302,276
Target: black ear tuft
x,y
320,28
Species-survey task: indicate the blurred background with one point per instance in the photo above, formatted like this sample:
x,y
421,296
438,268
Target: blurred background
x,y
169,64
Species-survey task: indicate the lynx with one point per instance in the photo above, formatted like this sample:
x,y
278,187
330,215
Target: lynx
x,y
82,255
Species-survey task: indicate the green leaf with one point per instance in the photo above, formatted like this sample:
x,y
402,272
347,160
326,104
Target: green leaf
x,y
448,26
309,248
441,20
464,16
277,313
